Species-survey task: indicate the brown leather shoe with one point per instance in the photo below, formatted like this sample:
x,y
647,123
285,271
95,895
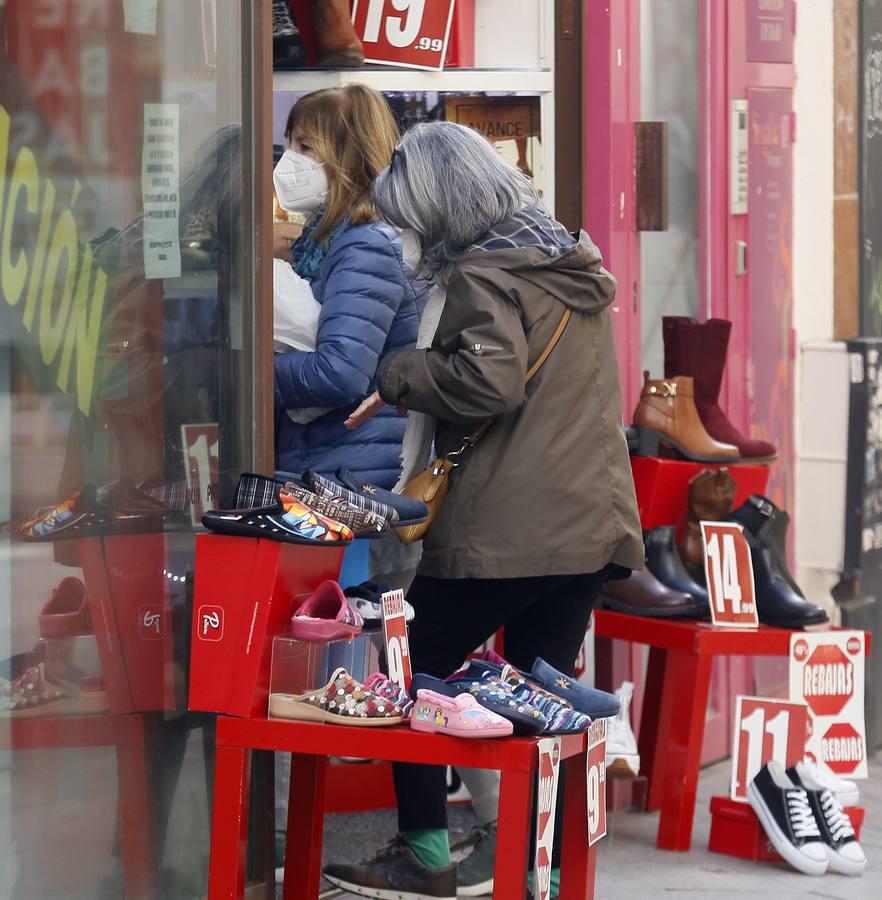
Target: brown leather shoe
x,y
642,594
667,414
711,495
338,44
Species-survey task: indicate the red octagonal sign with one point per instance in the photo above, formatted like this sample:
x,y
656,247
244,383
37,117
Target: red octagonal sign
x,y
828,680
842,748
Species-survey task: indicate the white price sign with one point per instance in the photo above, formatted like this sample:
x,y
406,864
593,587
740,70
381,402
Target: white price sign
x,y
596,778
395,632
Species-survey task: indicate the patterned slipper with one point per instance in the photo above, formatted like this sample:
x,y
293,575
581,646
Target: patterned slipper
x,y
288,521
460,716
67,520
562,718
34,695
384,687
342,701
492,693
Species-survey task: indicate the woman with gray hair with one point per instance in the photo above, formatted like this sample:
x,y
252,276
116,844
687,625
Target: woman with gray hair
x,y
541,511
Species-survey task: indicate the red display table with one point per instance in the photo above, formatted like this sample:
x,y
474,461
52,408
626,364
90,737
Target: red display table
x,y
675,704
311,745
126,733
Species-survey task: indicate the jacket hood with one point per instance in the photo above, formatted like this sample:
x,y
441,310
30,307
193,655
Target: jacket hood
x,y
540,250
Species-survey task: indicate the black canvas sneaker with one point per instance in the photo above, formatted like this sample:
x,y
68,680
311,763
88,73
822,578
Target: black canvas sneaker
x,y
846,854
394,873
786,814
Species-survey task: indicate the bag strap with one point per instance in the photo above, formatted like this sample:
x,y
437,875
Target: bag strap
x,y
478,433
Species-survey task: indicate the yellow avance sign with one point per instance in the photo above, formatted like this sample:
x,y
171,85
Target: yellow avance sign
x,y
65,316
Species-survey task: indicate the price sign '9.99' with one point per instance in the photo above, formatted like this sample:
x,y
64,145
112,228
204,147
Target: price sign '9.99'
x,y
395,632
410,33
728,571
596,778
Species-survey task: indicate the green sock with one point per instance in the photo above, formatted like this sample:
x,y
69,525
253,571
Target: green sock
x,y
431,846
554,888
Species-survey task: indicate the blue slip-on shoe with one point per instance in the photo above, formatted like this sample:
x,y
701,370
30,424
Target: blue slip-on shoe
x,y
492,694
590,701
410,512
332,490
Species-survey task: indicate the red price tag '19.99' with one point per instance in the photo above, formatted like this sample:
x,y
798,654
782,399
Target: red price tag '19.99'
x,y
765,730
596,776
409,33
728,570
395,632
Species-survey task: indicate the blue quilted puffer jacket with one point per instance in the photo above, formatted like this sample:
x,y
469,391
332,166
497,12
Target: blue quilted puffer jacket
x,y
370,307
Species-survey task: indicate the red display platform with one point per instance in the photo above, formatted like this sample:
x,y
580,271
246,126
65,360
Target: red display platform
x,y
675,703
662,486
126,734
736,831
311,745
246,590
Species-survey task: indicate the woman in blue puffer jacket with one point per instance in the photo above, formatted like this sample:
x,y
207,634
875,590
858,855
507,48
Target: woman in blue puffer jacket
x,y
340,139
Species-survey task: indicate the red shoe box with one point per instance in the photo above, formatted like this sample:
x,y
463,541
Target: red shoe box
x,y
245,592
736,831
662,486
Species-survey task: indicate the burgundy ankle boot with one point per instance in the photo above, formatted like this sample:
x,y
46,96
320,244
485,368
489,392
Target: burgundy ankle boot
x,y
699,350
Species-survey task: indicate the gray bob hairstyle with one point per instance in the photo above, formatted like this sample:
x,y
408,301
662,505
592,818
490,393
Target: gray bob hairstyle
x,y
451,186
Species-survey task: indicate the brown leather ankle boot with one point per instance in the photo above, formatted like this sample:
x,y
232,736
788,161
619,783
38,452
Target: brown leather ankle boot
x,y
666,414
338,44
711,495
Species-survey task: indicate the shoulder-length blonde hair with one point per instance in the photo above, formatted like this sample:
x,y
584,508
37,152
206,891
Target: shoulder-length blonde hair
x,y
353,132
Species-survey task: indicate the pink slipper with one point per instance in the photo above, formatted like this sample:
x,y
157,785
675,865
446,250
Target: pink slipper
x,y
461,716
326,616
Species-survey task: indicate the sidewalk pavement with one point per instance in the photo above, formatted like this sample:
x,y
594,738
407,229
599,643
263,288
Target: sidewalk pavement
x,y
631,868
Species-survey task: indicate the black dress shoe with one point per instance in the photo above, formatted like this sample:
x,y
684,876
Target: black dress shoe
x,y
642,594
394,872
768,525
776,602
663,560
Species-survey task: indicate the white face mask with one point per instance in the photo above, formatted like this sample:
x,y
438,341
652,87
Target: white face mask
x,y
300,182
411,249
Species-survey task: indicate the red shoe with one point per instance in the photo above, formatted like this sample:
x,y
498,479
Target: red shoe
x,y
699,351
66,612
326,616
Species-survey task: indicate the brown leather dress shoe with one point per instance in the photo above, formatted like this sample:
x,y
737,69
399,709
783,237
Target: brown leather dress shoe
x,y
667,415
642,594
711,495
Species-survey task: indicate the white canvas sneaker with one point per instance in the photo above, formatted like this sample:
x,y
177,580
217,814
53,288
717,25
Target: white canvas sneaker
x,y
846,791
622,758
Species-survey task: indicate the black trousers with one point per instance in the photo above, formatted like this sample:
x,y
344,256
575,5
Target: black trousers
x,y
545,616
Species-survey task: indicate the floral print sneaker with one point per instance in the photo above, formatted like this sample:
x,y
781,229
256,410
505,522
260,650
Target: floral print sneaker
x,y
383,686
562,718
342,701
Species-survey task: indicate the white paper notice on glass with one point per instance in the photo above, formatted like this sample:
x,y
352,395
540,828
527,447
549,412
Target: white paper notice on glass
x,y
139,16
160,184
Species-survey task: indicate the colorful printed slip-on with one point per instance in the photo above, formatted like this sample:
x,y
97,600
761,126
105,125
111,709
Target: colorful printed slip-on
x,y
342,701
255,491
326,616
288,520
460,716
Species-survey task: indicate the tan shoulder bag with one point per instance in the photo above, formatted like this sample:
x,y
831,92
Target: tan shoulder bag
x,y
432,484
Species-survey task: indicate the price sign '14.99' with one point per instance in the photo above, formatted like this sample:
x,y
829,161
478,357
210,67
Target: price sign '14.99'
x,y
410,33
728,571
765,730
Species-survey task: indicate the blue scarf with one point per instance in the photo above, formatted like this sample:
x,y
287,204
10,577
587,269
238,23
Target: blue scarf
x,y
307,253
